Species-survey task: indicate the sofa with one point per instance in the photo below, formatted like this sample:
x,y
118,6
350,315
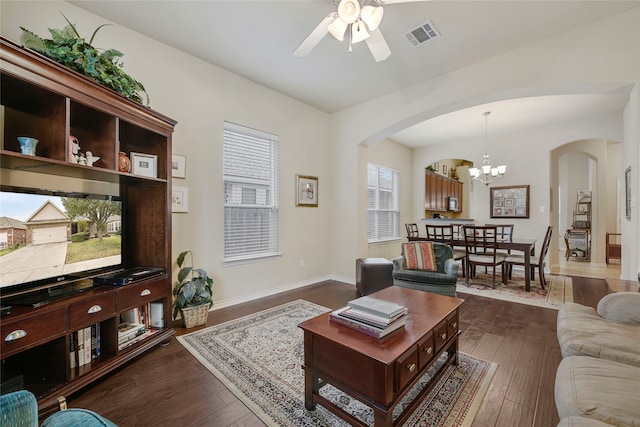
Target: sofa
x,y
597,382
436,270
20,409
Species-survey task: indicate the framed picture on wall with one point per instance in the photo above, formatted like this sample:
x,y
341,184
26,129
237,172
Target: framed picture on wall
x,y
509,202
307,191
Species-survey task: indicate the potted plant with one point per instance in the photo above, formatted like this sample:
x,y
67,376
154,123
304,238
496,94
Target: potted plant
x,y
66,47
193,293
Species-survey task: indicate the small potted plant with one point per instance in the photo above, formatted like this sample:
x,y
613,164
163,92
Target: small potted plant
x,y
193,293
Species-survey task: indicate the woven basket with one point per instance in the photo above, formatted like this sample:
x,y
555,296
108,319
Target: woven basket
x,y
195,316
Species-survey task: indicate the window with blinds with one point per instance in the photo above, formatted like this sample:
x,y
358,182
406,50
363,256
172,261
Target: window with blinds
x,y
383,203
250,170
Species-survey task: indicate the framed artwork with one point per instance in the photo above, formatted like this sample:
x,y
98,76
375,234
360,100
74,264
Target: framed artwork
x,y
179,199
444,170
178,166
307,191
510,202
627,192
144,165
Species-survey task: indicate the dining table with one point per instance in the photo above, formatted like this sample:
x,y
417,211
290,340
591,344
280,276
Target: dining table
x,y
526,246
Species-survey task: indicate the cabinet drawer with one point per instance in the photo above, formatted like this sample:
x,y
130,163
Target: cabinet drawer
x,y
406,368
452,324
135,295
21,334
441,335
426,350
92,310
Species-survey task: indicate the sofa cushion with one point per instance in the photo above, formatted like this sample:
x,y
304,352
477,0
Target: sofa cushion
x,y
420,256
581,422
581,331
599,389
424,277
621,307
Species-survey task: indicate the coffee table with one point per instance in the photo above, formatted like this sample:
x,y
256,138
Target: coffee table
x,y
380,372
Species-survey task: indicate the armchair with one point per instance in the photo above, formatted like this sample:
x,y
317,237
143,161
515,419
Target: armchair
x,y
439,278
20,409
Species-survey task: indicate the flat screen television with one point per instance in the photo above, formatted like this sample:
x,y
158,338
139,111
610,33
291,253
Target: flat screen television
x,y
51,240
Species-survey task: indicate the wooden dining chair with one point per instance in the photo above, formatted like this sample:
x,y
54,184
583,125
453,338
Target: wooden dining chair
x,y
444,234
481,244
536,261
412,231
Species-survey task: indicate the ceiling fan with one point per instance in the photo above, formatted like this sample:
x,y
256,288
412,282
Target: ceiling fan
x,y
359,20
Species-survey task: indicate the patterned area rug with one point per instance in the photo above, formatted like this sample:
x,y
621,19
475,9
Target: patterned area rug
x,y
559,289
259,358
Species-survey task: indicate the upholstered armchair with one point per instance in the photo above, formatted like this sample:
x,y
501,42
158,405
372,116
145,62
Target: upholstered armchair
x,y
20,409
426,266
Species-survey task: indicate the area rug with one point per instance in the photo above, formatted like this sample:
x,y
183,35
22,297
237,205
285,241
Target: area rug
x,y
259,358
559,289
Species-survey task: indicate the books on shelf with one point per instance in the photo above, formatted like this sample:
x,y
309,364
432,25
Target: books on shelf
x,y
372,325
129,330
378,307
147,333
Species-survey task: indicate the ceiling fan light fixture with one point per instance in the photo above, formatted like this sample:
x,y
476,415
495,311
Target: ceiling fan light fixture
x,y
349,10
337,29
372,16
358,32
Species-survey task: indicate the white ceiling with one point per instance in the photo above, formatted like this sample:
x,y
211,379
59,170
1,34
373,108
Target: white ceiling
x,y
255,39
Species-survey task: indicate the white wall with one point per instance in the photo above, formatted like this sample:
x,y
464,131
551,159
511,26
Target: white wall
x,y
201,97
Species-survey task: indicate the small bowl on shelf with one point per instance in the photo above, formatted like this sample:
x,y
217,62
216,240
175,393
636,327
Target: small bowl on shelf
x,y
28,145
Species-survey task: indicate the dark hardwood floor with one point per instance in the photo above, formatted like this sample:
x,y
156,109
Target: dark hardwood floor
x,y
168,387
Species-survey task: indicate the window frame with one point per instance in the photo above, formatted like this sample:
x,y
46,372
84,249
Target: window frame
x,y
265,191
395,192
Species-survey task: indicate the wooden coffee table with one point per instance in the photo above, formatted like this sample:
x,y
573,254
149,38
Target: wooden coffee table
x,y
379,373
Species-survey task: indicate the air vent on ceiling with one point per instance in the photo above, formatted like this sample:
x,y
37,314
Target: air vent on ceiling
x,y
424,33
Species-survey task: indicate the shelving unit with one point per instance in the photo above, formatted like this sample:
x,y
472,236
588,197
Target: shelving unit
x,y
44,99
578,237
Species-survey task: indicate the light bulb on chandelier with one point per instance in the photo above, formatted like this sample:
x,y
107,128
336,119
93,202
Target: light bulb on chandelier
x,y
487,173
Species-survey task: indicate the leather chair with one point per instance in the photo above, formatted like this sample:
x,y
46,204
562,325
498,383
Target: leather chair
x,y
440,281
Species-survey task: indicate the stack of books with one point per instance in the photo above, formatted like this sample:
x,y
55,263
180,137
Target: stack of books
x,y
371,316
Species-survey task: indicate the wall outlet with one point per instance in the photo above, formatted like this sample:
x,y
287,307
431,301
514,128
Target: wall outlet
x,y
301,263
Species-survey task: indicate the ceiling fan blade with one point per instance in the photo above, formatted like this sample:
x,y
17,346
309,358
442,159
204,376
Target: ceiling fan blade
x,y
316,35
378,46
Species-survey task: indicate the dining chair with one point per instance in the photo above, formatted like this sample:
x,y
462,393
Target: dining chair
x,y
536,261
504,233
412,230
444,234
481,244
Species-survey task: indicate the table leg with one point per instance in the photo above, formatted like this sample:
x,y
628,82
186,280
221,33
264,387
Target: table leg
x,y
311,386
527,271
381,418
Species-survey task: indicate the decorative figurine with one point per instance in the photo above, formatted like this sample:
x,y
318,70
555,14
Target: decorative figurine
x,y
91,159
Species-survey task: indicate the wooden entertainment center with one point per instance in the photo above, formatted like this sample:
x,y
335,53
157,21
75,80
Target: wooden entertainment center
x,y
45,100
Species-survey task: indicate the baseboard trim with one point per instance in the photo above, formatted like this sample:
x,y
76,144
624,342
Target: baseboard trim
x,y
246,298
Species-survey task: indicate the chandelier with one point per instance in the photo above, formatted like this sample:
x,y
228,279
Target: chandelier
x,y
353,17
487,173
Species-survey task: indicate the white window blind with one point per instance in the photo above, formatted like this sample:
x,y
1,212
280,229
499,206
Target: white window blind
x,y
383,203
250,169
